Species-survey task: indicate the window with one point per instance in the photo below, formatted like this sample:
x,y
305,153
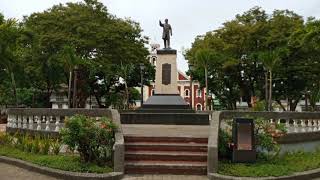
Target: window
x,y
152,92
186,93
199,107
59,106
199,93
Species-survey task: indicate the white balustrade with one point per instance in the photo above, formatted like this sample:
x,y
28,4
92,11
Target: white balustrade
x,y
9,121
31,122
19,121
14,121
47,125
57,124
25,122
38,123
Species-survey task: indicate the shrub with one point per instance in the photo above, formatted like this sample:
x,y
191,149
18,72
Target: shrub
x,y
93,141
224,141
36,145
265,133
56,146
5,139
45,145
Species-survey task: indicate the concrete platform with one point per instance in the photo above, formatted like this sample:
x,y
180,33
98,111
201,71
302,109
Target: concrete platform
x,y
149,130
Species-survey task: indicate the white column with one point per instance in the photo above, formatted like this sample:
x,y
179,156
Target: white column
x,y
14,121
57,124
25,122
19,121
38,123
31,122
9,123
47,125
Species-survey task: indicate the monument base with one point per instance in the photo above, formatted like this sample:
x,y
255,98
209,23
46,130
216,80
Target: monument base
x,y
165,101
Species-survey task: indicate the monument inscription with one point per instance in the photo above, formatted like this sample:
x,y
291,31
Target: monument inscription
x,y
166,74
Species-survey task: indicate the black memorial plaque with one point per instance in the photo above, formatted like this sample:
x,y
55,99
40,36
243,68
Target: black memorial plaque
x,y
166,74
244,141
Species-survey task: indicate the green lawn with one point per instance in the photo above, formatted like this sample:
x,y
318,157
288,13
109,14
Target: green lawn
x,y
63,162
285,165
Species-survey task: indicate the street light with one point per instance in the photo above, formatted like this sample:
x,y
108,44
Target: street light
x,y
190,68
141,73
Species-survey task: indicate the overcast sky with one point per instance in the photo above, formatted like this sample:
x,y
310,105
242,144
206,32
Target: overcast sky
x,y
188,18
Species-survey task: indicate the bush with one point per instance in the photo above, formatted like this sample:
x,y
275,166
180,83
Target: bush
x,y
5,139
224,140
56,146
94,141
36,145
45,145
265,133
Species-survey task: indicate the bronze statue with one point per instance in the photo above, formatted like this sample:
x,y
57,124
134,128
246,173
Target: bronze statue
x,y
167,31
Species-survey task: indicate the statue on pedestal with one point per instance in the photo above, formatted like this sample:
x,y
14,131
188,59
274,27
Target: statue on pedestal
x,y
167,31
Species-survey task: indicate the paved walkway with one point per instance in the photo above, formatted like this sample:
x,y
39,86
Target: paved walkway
x,y
163,177
165,130
9,172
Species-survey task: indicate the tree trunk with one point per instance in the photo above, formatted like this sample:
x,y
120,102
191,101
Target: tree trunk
x,y
74,98
127,95
281,105
266,91
207,90
14,87
270,92
69,89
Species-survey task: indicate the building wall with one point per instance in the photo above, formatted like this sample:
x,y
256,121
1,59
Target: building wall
x,y
182,86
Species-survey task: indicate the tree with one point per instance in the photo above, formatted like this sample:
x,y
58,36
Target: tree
x,y
248,40
269,60
9,34
99,39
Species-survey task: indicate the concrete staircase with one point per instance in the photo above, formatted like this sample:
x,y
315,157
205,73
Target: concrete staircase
x,y
165,155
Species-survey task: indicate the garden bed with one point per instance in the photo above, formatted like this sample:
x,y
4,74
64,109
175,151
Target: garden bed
x,y
285,165
62,162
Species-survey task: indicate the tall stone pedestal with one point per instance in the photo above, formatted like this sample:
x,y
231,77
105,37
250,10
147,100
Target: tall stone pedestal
x,y
166,87
166,72
166,106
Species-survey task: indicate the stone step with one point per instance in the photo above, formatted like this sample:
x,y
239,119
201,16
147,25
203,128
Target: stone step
x,y
153,146
164,118
166,156
130,139
165,167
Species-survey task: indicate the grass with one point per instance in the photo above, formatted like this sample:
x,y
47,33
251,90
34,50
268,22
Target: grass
x,y
62,162
280,166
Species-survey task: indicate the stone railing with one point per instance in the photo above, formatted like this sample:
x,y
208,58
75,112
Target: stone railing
x,y
301,126
41,120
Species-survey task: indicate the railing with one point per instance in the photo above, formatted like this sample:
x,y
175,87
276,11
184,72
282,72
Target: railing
x,y
301,126
40,120
50,120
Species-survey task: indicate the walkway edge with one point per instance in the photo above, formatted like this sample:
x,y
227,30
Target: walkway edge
x,y
310,174
60,173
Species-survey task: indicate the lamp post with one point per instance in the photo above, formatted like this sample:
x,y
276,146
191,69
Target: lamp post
x,y
141,74
190,69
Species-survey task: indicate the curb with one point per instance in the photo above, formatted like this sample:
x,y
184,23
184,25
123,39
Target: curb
x,y
60,173
310,174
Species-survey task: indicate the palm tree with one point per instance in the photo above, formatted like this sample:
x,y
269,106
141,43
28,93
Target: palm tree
x,y
269,59
203,58
9,34
71,61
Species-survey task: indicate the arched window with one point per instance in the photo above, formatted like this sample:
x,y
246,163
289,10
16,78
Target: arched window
x,y
199,93
186,93
152,92
199,107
